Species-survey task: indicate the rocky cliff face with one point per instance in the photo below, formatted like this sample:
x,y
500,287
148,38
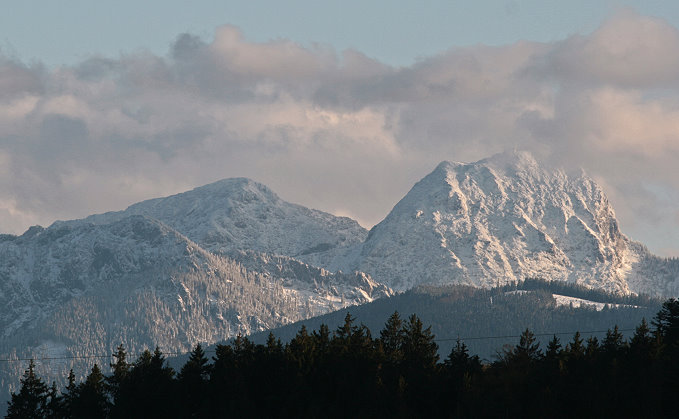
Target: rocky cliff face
x,y
500,220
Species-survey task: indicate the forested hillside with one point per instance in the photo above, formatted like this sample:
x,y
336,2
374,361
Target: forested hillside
x,y
488,319
350,373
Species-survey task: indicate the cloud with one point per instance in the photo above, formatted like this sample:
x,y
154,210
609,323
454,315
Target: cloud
x,y
340,131
628,50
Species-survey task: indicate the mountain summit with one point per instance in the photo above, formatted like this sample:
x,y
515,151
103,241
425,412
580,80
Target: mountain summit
x,y
500,220
241,214
200,266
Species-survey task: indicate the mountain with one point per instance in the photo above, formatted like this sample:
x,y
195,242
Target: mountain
x,y
81,288
232,257
652,274
495,221
316,284
500,220
46,270
241,214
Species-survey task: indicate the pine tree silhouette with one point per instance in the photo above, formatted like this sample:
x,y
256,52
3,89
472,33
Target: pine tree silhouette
x,y
31,400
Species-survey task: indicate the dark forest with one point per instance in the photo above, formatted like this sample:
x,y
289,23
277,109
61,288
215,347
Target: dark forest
x,y
349,373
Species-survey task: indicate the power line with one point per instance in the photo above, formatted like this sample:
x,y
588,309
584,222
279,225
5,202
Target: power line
x,y
534,334
63,358
73,357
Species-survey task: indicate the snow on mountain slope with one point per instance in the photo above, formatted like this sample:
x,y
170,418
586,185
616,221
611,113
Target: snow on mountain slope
x,y
85,288
237,214
317,283
499,220
575,302
45,270
233,257
654,275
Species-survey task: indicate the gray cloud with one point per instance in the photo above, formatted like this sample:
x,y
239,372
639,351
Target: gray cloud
x,y
340,131
628,50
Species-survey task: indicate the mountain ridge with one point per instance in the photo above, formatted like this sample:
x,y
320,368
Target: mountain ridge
x,y
239,213
499,220
232,257
77,288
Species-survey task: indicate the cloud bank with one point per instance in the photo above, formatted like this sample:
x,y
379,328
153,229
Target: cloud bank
x,y
340,131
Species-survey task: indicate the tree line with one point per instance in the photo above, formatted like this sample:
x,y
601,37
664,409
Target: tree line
x,y
580,291
473,313
348,373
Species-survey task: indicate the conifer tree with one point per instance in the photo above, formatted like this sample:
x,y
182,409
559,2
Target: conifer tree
x,y
553,348
460,370
91,399
301,350
274,346
321,339
592,347
147,389
243,351
193,378
418,367
418,347
361,342
224,362
71,392
666,324
642,341
575,348
196,368
120,369
31,401
613,343
55,407
526,352
391,337
459,360
345,331
225,381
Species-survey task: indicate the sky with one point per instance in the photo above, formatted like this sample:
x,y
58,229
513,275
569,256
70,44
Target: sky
x,y
340,106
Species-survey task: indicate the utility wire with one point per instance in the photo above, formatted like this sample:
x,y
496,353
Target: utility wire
x,y
61,358
57,358
534,334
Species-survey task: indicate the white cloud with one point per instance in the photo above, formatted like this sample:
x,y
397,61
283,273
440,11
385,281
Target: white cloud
x,y
628,50
340,132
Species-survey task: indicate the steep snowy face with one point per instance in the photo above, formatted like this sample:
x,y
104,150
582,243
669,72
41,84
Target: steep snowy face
x,y
45,267
654,275
237,214
82,288
48,270
498,220
316,283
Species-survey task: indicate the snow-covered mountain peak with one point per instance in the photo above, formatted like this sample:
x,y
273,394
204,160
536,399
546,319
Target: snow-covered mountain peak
x,y
499,220
231,189
511,181
225,194
512,160
518,166
239,213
